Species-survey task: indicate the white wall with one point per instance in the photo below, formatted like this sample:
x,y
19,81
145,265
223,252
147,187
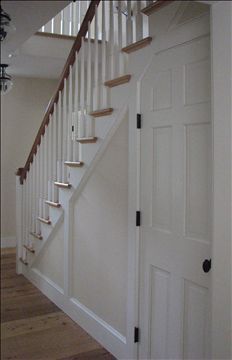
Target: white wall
x,y
22,111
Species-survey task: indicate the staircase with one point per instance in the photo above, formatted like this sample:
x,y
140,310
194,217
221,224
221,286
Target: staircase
x,y
90,103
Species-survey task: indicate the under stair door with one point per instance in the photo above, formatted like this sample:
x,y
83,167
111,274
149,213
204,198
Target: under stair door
x,y
175,204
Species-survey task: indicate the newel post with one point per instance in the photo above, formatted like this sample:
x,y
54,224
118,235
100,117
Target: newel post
x,y
19,219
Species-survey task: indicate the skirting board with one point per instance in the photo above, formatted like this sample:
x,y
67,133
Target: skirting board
x,y
102,332
8,242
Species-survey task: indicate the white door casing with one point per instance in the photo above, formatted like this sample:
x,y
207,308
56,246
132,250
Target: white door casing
x,y
176,192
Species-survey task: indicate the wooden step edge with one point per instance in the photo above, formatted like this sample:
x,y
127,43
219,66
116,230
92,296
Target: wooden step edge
x,y
54,204
103,112
29,249
45,221
87,140
137,45
24,262
118,81
37,236
74,163
62,185
155,6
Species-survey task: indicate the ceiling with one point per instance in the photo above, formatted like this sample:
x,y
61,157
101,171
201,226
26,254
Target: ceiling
x,y
28,17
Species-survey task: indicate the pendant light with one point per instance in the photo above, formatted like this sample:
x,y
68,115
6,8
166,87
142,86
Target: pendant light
x,y
5,80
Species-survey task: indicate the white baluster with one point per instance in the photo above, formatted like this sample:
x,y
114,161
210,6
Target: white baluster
x,y
70,19
74,17
62,23
120,54
82,91
89,100
45,181
57,24
66,20
138,22
41,173
59,141
27,209
31,196
65,132
104,64
49,130
129,24
38,225
111,40
96,63
54,153
48,27
76,108
33,229
69,147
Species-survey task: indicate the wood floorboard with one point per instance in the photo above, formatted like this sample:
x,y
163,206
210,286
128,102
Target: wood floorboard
x,y
32,327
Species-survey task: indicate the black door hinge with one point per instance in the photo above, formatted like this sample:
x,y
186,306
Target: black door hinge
x,y
136,335
138,218
139,121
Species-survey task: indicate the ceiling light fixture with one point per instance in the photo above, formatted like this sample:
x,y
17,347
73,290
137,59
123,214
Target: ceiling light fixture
x,y
5,80
5,24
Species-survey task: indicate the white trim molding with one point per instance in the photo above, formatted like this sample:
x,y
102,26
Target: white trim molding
x,y
221,34
100,330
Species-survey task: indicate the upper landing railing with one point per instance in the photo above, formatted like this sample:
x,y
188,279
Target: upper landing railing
x,y
68,21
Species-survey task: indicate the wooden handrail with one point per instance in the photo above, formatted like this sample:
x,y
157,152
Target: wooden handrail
x,y
70,61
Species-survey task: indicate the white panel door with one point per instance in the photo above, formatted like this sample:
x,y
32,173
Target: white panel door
x,y
175,203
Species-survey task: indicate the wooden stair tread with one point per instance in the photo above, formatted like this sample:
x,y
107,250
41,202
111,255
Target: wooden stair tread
x,y
37,236
137,45
118,81
24,262
29,249
74,163
102,112
45,221
87,140
155,6
52,203
62,185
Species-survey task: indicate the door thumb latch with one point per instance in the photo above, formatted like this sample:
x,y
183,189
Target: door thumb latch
x,y
206,265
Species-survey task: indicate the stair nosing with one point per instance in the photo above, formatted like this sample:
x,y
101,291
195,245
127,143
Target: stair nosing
x,y
137,45
120,80
62,185
29,249
39,237
86,140
52,203
101,112
44,221
74,163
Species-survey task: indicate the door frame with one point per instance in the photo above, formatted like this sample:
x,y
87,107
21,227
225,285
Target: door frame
x,y
221,286
221,61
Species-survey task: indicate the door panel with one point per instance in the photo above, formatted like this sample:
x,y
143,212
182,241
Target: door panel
x,y
175,203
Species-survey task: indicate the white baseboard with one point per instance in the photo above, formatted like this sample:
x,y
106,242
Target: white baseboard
x,y
101,331
8,242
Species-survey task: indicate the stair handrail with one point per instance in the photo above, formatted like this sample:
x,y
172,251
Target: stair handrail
x,y
22,172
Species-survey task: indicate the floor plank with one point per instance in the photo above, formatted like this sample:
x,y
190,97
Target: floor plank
x,y
32,327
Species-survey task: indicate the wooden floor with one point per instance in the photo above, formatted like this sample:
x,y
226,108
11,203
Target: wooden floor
x,y
32,327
